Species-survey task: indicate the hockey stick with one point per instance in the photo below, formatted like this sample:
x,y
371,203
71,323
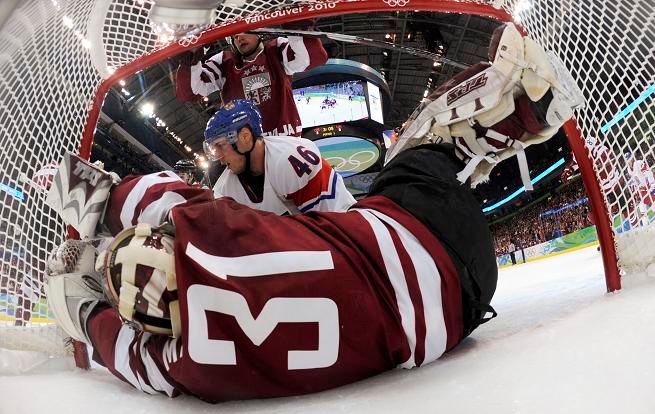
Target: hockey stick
x,y
339,37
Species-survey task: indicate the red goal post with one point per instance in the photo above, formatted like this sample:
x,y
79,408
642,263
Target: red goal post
x,y
305,10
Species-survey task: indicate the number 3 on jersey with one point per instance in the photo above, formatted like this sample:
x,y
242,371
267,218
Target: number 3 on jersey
x,y
301,167
202,299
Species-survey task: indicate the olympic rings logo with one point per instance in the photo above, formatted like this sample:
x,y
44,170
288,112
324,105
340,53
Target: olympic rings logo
x,y
396,3
189,40
366,178
351,164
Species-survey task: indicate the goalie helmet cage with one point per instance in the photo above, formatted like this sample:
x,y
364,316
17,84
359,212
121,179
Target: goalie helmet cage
x,y
58,58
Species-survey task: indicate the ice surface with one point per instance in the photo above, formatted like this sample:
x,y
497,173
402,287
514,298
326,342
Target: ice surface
x,y
559,345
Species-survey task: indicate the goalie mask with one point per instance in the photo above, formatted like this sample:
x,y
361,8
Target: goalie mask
x,y
138,274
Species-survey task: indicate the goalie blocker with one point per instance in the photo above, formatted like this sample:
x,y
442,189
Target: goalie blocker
x,y
274,306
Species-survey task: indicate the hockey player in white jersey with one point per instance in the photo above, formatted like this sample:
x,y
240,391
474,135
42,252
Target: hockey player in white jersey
x,y
642,186
282,175
641,173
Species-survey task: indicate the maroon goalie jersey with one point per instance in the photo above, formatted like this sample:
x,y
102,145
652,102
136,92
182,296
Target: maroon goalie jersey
x,y
276,306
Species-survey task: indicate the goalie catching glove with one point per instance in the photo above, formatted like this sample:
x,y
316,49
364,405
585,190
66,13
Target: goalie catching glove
x,y
74,288
493,111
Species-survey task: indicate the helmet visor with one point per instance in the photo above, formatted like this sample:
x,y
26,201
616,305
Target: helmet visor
x,y
215,149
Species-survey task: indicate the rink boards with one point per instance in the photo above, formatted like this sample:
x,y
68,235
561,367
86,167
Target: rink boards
x,y
9,303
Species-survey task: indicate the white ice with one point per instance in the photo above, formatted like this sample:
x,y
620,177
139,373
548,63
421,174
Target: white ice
x,y
559,345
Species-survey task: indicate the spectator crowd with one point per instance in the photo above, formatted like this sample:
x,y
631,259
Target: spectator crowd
x,y
535,224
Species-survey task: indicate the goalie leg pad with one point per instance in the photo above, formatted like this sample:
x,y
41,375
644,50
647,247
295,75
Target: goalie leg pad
x,y
491,113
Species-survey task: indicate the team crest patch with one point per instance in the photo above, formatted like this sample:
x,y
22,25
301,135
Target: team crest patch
x,y
257,88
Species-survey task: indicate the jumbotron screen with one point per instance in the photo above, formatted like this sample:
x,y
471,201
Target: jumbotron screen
x,y
331,103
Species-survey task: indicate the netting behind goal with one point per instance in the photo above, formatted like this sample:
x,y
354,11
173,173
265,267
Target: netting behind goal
x,y
58,58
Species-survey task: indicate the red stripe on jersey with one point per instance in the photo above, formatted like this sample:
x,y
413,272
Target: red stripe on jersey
x,y
414,293
317,185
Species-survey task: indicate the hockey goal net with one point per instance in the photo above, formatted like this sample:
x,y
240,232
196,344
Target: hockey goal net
x,y
59,57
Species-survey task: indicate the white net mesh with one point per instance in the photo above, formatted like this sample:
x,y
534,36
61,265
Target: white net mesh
x,y
55,53
610,48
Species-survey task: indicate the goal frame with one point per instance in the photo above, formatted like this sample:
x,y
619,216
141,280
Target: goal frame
x,y
325,9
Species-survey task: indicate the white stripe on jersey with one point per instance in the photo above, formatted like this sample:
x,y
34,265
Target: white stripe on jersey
x,y
169,354
139,190
262,263
155,376
122,360
156,212
429,281
301,58
397,279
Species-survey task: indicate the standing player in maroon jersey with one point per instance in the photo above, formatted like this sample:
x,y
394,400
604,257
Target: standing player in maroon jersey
x,y
226,302
257,71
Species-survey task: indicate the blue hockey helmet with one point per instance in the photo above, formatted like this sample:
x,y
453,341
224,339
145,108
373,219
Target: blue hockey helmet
x,y
227,121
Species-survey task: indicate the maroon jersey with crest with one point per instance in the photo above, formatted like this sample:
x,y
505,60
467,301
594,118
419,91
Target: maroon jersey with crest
x,y
275,306
266,80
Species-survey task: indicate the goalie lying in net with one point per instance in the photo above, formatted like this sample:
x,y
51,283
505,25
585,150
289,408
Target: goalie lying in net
x,y
226,302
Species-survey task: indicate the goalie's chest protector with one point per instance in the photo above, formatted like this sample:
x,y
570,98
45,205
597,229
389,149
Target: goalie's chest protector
x,y
275,306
